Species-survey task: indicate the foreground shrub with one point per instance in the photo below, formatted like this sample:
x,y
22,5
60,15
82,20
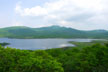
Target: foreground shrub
x,y
15,60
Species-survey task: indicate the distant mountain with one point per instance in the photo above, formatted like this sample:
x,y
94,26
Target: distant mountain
x,y
50,32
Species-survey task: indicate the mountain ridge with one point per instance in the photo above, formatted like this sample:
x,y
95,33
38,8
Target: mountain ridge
x,y
50,32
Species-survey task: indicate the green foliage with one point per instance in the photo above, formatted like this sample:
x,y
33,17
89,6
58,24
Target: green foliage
x,y
85,44
15,60
87,59
4,44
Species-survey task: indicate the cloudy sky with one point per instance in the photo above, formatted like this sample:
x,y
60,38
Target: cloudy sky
x,y
78,14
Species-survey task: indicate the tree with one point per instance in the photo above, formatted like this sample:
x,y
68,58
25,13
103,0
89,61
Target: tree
x,y
15,60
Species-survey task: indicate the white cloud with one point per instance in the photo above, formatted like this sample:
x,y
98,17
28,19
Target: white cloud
x,y
61,5
81,12
35,11
18,8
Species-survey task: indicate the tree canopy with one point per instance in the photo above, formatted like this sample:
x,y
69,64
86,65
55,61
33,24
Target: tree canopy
x,y
88,59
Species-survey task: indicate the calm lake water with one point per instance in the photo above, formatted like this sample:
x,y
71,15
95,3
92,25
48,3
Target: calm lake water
x,y
34,44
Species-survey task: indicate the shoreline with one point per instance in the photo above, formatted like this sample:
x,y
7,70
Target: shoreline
x,y
54,38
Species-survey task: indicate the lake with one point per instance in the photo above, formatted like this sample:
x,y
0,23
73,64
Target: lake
x,y
34,44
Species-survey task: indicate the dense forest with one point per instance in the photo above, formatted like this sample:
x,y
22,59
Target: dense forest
x,y
92,58
50,32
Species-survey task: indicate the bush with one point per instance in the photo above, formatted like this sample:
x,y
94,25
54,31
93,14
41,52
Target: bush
x,y
15,60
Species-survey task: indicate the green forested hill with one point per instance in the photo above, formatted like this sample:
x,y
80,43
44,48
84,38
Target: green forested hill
x,y
50,32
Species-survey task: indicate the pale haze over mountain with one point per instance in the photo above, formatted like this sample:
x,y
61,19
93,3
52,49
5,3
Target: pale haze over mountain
x,y
78,14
